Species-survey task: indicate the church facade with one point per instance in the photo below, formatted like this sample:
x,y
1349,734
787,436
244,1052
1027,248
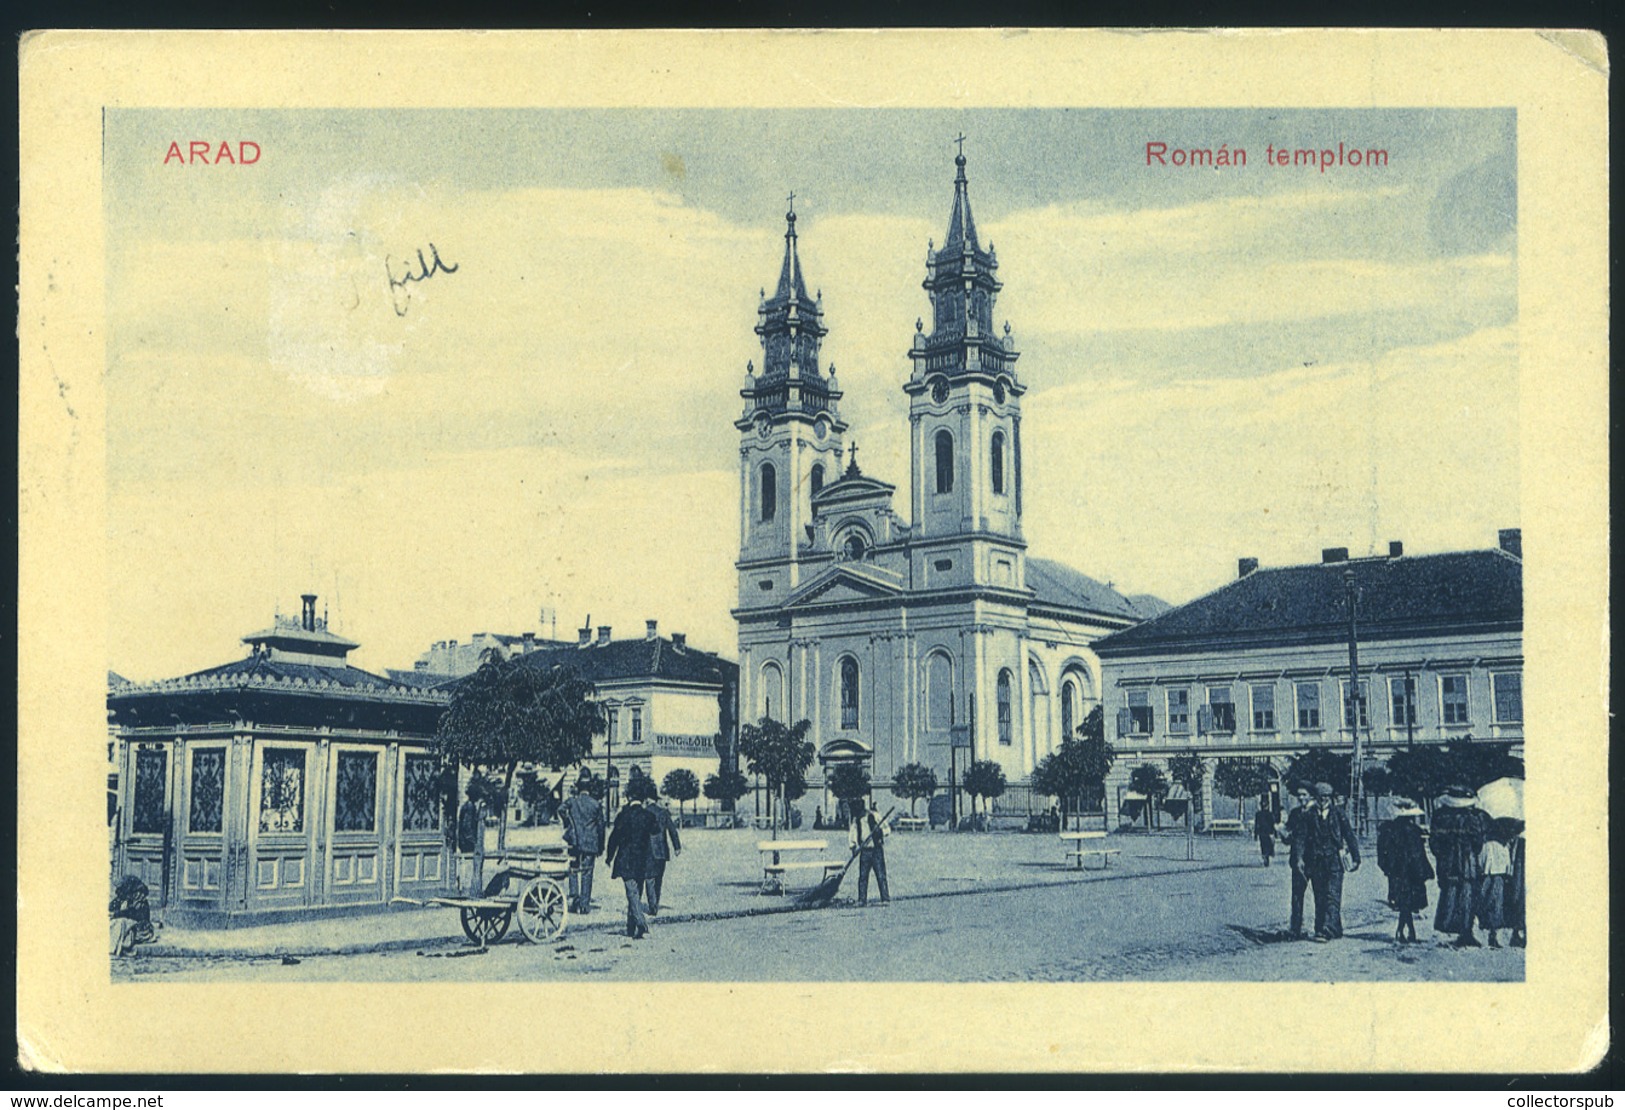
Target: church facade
x,y
903,640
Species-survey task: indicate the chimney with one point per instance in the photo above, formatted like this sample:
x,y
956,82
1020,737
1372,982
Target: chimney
x,y
1512,541
603,635
649,629
530,642
307,619
679,640
1334,554
585,636
1244,567
1395,549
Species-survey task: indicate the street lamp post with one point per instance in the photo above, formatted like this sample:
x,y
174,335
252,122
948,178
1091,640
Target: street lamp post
x,y
1357,763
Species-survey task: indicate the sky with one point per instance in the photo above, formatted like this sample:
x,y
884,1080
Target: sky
x,y
1249,361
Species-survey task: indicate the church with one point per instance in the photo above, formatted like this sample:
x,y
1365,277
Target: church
x,y
916,640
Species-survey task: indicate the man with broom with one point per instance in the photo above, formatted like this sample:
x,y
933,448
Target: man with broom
x,y
866,835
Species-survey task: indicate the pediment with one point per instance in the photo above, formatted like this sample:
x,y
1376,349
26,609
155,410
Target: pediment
x,y
842,583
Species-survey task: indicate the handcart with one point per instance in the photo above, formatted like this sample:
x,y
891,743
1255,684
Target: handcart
x,y
527,885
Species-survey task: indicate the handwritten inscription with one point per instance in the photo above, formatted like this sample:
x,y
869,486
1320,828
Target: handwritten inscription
x,y
1224,157
204,151
400,288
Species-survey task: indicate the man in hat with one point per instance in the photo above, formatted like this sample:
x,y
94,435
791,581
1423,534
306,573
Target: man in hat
x,y
1293,832
1328,837
1459,828
584,835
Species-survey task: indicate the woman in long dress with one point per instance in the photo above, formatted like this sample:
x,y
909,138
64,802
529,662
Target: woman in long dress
x,y
1459,828
1401,857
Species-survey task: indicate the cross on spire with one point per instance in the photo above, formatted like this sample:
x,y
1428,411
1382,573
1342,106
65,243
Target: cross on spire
x,y
792,201
961,142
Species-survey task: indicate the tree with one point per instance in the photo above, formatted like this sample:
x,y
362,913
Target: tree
x,y
541,799
1189,772
983,779
912,782
1320,765
781,754
508,713
682,785
848,782
726,787
1238,777
1077,770
1148,780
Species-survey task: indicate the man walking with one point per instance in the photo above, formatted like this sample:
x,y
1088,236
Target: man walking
x,y
1329,836
867,836
1293,832
628,857
584,835
664,845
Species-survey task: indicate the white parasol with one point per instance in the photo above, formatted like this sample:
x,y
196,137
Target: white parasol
x,y
1502,798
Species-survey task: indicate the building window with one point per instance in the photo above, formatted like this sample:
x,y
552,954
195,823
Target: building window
x,y
1004,707
945,462
1222,708
1263,708
770,492
1069,709
1508,697
1140,716
849,692
1350,700
420,806
772,691
208,790
1179,710
282,791
939,693
817,478
612,721
151,769
637,726
1453,694
998,462
1402,701
355,792
1309,706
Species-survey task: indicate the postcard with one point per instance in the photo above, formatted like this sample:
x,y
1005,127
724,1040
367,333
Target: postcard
x,y
857,551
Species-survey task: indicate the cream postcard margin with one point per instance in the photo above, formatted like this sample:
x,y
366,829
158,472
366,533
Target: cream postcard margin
x,y
71,1018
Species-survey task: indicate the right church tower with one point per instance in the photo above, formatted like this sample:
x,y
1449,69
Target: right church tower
x,y
965,407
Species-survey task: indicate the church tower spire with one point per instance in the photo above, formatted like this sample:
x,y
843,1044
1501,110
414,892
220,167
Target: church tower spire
x,y
965,397
790,429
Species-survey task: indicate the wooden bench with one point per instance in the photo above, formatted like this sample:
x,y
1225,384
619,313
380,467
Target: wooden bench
x,y
1085,845
910,824
1225,825
775,866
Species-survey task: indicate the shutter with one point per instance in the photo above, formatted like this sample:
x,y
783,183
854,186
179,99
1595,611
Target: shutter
x,y
1204,719
1150,721
1124,722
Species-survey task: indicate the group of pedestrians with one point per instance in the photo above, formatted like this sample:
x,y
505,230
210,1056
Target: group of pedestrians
x,y
1477,862
637,848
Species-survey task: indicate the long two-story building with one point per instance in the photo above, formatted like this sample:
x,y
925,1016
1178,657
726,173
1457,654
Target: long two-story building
x,y
1260,667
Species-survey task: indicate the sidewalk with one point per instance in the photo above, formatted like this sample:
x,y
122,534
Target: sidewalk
x,y
719,875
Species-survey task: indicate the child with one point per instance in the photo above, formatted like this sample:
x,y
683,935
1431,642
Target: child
x,y
1401,857
1495,864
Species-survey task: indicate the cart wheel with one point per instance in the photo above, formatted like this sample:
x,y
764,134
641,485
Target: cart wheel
x,y
542,910
484,926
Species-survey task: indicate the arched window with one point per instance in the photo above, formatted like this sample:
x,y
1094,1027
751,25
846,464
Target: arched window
x,y
853,546
817,478
945,462
939,692
1069,710
849,692
1004,707
770,491
998,462
772,691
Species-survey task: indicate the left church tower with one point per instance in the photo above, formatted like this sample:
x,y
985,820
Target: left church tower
x,y
791,436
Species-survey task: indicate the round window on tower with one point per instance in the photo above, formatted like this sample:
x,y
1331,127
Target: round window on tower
x,y
853,548
821,429
939,390
998,392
